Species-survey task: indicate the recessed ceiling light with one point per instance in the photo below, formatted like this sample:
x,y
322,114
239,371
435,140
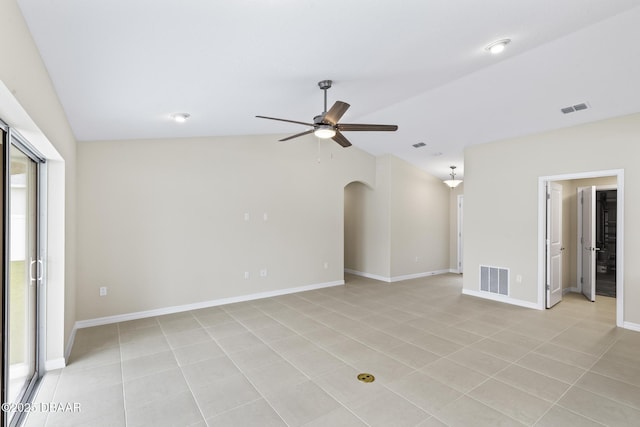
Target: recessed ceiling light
x,y
437,154
497,46
180,117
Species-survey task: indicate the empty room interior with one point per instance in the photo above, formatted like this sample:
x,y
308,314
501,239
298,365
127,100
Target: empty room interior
x,y
245,213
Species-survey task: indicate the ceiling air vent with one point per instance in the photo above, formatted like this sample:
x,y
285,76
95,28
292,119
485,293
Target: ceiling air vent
x,y
572,108
419,145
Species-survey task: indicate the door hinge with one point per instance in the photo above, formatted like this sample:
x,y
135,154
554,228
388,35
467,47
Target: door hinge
x,y
581,280
548,196
548,287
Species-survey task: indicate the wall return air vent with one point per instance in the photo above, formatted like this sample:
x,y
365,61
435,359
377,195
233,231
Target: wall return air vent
x,y
494,280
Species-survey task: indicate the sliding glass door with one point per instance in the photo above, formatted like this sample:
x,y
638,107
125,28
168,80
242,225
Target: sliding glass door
x,y
22,270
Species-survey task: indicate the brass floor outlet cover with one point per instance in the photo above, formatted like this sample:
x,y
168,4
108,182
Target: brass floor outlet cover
x,y
366,378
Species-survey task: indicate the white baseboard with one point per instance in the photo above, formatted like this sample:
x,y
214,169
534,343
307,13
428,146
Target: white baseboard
x,y
631,326
569,290
72,338
397,278
418,275
501,298
367,275
52,365
195,306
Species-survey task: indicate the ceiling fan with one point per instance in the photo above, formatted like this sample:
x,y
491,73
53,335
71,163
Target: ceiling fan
x,y
326,124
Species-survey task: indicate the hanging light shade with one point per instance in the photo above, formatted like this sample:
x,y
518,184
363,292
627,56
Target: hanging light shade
x,y
453,182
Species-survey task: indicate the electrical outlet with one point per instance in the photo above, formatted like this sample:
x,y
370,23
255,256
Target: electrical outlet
x,y
103,291
246,274
263,272
519,278
246,216
326,265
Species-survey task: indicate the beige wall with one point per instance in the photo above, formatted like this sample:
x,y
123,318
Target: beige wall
x,y
400,227
501,215
161,222
419,205
27,80
367,224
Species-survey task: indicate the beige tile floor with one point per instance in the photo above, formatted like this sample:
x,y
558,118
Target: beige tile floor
x,y
439,358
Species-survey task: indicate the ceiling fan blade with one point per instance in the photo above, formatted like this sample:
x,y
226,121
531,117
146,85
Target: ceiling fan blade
x,y
296,135
340,139
336,112
351,127
285,120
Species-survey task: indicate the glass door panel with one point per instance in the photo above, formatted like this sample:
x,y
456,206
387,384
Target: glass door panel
x,y
24,269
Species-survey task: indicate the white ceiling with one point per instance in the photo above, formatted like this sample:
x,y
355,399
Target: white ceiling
x,y
121,67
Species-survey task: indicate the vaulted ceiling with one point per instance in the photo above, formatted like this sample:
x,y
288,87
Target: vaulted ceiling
x,y
122,67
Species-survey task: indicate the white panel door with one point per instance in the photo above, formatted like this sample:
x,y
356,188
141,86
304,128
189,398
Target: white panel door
x,y
554,244
587,242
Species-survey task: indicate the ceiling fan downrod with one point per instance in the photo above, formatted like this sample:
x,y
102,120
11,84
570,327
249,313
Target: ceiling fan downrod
x,y
324,85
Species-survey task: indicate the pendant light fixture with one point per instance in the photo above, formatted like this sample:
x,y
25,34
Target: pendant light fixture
x,y
453,182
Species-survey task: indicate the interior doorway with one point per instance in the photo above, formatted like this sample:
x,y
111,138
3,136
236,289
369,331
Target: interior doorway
x,y
570,277
606,235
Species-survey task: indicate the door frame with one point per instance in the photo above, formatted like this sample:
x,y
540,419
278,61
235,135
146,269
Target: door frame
x,y
13,138
542,227
460,231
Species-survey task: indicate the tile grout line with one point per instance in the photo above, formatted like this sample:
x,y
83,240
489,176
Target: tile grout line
x,y
193,396
283,356
227,355
124,395
356,335
414,370
510,363
571,385
575,384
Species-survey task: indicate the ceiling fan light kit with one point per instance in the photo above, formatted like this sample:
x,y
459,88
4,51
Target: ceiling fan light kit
x,y
324,132
325,125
